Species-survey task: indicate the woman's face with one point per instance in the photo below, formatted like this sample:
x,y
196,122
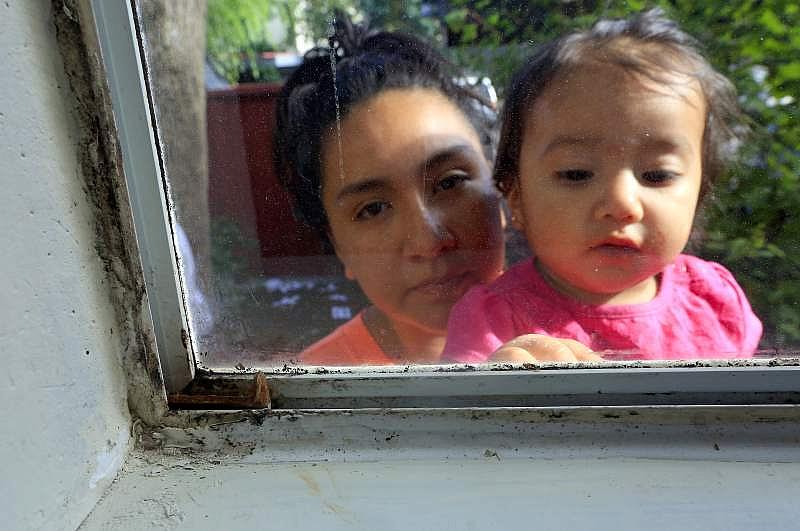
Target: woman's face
x,y
414,216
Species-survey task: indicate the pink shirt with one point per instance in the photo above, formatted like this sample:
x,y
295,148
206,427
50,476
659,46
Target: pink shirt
x,y
699,312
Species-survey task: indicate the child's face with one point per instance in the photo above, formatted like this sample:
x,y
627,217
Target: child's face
x,y
609,178
413,213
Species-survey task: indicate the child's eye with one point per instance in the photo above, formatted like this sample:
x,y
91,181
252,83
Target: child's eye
x,y
577,176
659,176
371,210
450,181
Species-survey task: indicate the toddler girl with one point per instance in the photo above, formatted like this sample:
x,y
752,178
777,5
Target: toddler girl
x,y
611,137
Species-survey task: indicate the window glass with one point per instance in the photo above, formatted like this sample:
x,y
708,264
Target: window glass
x,y
407,217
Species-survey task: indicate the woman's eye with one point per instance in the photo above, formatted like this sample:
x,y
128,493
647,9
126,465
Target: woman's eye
x,y
370,210
450,181
659,176
577,176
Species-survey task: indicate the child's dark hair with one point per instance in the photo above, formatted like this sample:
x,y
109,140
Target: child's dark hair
x,y
356,66
647,44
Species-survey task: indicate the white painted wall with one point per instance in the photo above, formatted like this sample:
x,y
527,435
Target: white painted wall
x,y
62,390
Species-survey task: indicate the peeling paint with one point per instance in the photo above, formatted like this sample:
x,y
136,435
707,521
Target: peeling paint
x,y
754,433
782,359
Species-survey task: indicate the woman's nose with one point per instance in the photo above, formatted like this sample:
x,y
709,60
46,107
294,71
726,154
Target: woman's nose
x,y
427,234
620,199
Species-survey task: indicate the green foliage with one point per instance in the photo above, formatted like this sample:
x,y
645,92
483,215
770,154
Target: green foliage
x,y
232,261
237,30
399,15
236,34
754,227
231,249
389,15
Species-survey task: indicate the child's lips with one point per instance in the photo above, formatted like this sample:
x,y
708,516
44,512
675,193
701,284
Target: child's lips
x,y
618,242
617,247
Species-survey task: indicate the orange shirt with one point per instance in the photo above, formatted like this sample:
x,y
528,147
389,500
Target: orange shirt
x,y
350,344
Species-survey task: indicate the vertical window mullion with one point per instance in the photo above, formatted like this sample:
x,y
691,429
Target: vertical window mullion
x,y
147,188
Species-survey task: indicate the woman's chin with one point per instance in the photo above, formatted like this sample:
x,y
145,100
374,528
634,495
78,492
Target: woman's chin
x,y
431,323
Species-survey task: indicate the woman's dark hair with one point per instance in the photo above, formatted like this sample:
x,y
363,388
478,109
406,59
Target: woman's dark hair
x,y
647,44
355,66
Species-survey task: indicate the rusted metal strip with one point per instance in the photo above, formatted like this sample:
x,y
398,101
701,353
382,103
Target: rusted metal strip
x,y
248,391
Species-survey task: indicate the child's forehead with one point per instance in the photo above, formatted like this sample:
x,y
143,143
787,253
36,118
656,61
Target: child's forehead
x,y
590,72
630,60
594,84
602,104
634,53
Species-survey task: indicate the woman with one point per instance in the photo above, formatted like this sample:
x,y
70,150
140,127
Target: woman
x,y
382,152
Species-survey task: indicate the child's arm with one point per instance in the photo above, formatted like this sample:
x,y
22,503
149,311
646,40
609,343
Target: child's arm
x,y
531,348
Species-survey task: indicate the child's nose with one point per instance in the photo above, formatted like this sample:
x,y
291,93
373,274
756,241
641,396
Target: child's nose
x,y
620,200
427,234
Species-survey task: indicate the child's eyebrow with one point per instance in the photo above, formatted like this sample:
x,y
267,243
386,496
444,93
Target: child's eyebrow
x,y
671,144
678,144
568,141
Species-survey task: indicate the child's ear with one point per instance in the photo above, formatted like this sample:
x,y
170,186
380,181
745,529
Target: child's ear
x,y
515,205
347,272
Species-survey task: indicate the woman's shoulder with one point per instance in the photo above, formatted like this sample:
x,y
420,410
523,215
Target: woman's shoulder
x,y
350,344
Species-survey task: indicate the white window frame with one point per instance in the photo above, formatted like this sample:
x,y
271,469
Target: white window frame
x,y
115,21
737,382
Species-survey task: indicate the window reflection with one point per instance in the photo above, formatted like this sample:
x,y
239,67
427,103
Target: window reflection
x,y
271,281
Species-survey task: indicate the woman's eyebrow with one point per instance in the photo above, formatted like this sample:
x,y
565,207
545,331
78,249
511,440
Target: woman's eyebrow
x,y
373,184
367,185
458,150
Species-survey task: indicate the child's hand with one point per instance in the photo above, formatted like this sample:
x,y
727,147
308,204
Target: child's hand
x,y
532,348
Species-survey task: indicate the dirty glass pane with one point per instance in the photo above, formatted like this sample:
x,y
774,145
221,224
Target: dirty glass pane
x,y
264,281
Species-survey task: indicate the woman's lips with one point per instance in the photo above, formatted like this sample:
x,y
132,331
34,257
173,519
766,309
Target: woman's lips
x,y
445,286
